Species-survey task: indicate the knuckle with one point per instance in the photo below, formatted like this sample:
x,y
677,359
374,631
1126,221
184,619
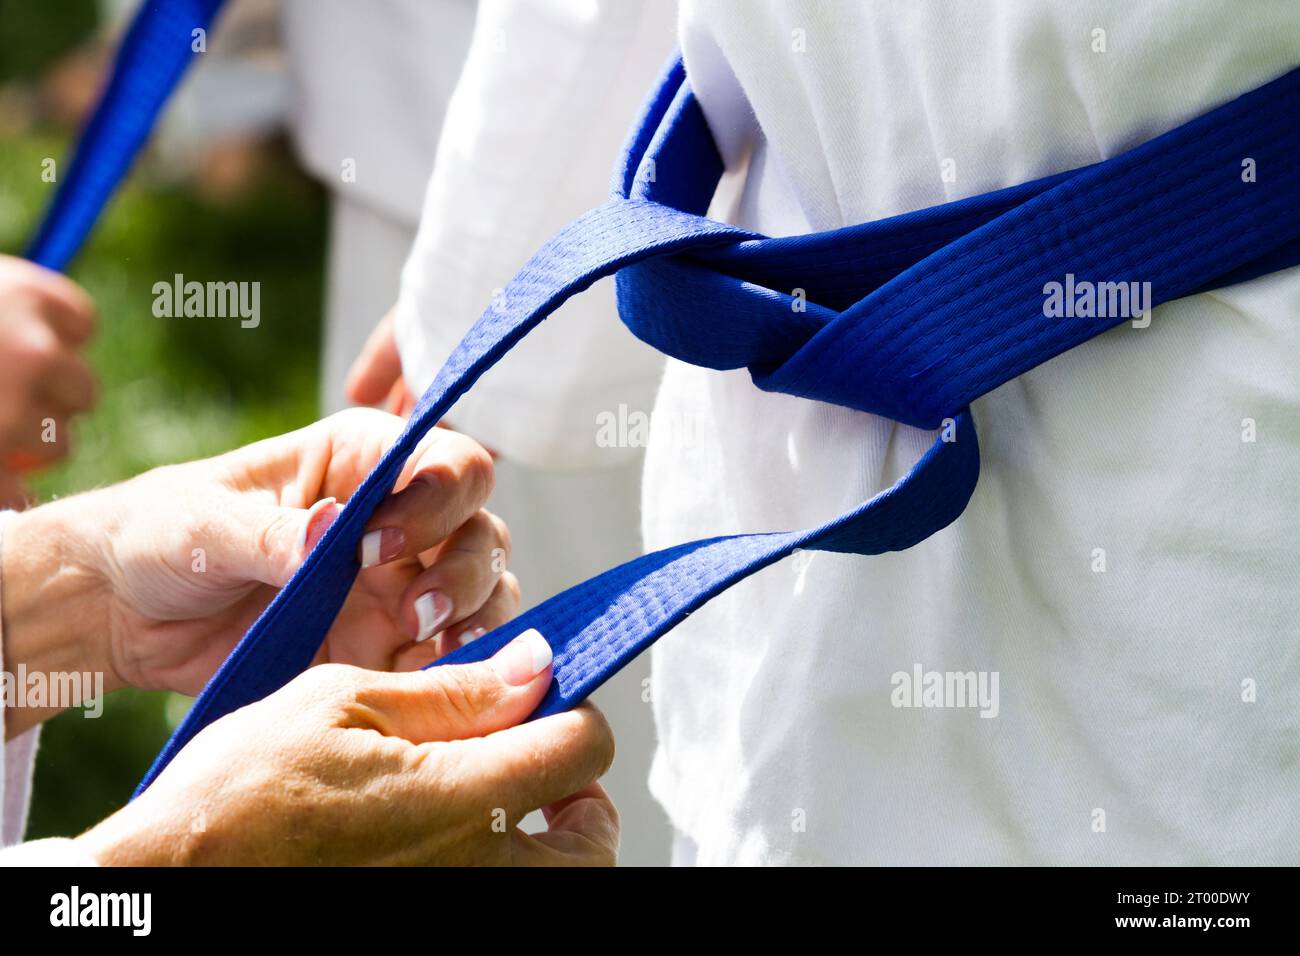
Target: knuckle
x,y
485,471
479,523
475,469
37,348
501,531
329,682
462,693
439,474
273,535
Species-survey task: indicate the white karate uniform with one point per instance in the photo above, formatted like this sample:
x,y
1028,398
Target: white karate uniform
x,y
1127,566
1121,697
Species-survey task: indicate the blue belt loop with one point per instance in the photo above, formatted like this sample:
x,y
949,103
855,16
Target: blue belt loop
x,y
911,317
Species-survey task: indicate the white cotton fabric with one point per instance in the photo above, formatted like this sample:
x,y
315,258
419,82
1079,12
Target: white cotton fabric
x,y
369,89
19,761
52,851
1122,735
363,265
531,138
370,85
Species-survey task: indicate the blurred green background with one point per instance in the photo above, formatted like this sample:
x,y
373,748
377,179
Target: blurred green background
x,y
170,389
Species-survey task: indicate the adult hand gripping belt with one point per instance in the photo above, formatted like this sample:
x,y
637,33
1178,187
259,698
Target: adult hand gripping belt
x,y
911,317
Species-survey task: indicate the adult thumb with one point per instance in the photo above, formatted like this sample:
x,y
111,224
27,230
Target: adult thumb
x,y
271,541
460,701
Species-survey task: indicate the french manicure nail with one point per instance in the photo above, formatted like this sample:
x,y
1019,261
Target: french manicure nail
x,y
381,545
473,634
319,518
432,608
522,659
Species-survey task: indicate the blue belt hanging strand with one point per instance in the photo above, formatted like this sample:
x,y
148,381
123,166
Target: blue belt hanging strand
x,y
152,57
911,317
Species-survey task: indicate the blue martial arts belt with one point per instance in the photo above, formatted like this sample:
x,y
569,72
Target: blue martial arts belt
x,y
911,317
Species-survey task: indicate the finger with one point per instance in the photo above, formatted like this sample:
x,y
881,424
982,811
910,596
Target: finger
x,y
31,343
461,578
62,303
460,701
501,606
535,764
582,830
268,542
377,367
67,382
400,401
451,478
41,437
409,400
52,383
335,454
492,452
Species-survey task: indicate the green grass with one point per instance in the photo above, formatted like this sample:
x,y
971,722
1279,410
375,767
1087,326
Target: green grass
x,y
33,34
171,389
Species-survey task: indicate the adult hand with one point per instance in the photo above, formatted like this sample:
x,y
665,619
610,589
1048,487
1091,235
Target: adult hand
x,y
154,580
44,320
346,766
376,376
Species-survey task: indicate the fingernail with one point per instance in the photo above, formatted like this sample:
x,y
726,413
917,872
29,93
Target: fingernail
x,y
522,659
432,608
319,518
473,634
381,545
